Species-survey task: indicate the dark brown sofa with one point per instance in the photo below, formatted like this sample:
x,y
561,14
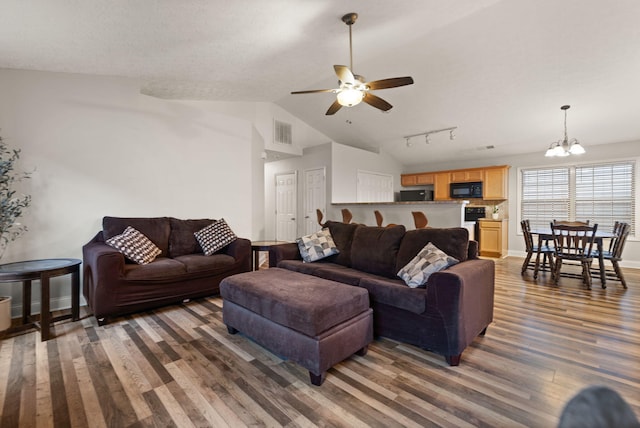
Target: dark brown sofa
x,y
113,285
445,317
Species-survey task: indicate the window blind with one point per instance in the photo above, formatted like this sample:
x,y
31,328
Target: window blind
x,y
605,194
545,195
601,193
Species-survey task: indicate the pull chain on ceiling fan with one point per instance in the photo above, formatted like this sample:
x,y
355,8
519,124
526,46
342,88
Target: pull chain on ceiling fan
x,y
353,88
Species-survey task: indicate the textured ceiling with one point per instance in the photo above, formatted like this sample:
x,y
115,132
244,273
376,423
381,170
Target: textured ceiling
x,y
499,70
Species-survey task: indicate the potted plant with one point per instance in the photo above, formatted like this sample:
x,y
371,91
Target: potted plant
x,y
495,213
12,206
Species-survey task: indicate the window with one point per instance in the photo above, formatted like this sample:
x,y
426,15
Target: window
x,y
602,193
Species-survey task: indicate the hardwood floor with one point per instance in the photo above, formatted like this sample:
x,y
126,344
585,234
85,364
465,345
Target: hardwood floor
x,y
177,366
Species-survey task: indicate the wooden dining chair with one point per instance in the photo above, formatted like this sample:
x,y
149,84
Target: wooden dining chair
x,y
379,219
420,219
573,243
547,251
320,216
614,254
346,215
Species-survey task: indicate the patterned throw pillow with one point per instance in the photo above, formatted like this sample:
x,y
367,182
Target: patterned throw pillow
x,y
317,246
215,237
429,260
135,246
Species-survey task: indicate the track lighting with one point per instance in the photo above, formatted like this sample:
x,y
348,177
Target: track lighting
x,y
427,135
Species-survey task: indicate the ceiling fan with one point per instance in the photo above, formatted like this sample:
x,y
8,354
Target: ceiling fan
x,y
353,89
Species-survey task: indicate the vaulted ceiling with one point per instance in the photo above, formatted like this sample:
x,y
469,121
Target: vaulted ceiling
x,y
499,70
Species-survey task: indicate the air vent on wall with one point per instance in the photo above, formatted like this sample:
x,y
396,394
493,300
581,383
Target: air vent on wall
x,y
282,132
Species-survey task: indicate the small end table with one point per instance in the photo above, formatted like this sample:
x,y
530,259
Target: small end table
x,y
42,270
257,246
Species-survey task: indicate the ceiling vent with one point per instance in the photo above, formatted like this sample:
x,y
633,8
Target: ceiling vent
x,y
282,132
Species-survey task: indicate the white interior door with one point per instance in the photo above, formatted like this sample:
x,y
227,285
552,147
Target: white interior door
x,y
286,202
314,198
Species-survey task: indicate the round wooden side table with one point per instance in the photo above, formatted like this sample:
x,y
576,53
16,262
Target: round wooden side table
x,y
42,270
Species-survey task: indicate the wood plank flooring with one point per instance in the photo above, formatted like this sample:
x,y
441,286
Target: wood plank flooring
x,y
177,366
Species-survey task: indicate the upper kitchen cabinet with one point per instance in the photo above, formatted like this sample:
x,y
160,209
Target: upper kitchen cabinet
x,y
495,183
420,179
466,175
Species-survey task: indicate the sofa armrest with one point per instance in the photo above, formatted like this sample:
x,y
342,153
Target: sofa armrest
x,y
472,252
289,251
240,250
98,256
461,297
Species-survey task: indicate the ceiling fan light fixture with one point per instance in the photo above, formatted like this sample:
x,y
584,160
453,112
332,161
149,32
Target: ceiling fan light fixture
x,y
350,97
353,87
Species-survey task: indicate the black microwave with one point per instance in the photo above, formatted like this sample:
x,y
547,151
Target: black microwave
x,y
416,195
466,190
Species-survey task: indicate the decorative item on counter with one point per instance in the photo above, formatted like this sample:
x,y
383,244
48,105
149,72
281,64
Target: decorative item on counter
x,y
495,213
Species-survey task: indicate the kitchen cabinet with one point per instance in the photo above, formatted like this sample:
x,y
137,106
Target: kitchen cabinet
x,y
466,175
494,238
495,183
441,181
417,179
425,178
408,179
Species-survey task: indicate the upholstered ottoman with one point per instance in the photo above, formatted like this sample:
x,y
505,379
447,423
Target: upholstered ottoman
x,y
311,321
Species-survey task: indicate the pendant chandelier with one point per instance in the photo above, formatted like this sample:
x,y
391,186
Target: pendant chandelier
x,y
565,147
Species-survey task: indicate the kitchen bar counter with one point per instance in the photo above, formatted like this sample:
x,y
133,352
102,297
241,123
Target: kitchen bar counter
x,y
439,213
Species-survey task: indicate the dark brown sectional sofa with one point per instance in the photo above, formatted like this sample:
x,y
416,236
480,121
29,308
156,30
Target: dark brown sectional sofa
x,y
445,317
113,285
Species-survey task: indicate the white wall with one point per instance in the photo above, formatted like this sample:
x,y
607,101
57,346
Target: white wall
x,y
99,147
346,162
594,154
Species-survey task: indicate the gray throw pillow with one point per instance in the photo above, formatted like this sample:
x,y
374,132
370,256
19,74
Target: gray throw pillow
x,y
429,260
135,246
214,237
317,246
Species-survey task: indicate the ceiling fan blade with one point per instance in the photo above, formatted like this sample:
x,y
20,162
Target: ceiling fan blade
x,y
376,102
313,91
334,108
390,83
344,74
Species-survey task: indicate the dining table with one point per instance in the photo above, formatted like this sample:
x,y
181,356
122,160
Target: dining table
x,y
545,235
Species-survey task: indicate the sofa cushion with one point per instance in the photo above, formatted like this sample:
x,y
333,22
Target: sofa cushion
x,y
162,268
182,240
330,271
157,229
342,234
135,246
202,263
429,260
395,293
453,241
374,249
215,237
317,246
301,302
